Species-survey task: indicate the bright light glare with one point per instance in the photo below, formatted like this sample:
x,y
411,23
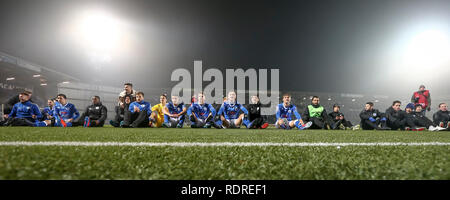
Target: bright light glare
x,y
100,30
101,35
427,49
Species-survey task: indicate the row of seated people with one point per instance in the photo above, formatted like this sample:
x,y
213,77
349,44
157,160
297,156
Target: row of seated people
x,y
134,111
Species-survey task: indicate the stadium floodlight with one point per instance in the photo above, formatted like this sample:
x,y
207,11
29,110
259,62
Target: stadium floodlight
x,y
43,84
65,82
10,78
100,30
99,33
36,75
427,49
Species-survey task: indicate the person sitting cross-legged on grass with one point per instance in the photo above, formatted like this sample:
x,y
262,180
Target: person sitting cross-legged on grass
x,y
174,113
285,112
372,118
138,113
201,114
232,114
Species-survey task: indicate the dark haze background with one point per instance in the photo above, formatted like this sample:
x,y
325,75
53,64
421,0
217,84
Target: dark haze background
x,y
323,46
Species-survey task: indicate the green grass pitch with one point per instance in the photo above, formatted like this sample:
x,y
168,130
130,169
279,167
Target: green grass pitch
x,y
221,162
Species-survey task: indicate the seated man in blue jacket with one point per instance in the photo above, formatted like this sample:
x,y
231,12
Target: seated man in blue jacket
x,y
138,114
174,113
23,113
233,114
201,114
372,119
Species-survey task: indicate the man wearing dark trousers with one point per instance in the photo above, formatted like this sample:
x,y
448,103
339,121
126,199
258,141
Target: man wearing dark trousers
x,y
372,119
23,113
395,116
442,117
423,121
338,118
254,114
138,113
94,115
120,109
317,114
9,104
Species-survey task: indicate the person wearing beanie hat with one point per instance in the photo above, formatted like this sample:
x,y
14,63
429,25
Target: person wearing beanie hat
x,y
410,106
424,121
411,119
416,121
423,98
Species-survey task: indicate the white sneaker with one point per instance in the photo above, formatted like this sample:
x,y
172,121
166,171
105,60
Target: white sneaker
x,y
307,125
432,128
440,128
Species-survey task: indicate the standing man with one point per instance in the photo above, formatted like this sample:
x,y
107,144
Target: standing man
x,y
128,90
372,118
423,98
317,114
94,115
442,117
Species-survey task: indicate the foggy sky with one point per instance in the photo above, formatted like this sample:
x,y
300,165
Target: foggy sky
x,y
323,46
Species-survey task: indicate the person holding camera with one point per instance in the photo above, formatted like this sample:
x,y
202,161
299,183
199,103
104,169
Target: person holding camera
x,y
339,119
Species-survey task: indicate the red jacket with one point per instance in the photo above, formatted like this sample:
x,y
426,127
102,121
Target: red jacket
x,y
422,98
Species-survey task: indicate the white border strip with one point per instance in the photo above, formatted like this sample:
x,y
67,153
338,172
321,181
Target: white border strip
x,y
216,144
